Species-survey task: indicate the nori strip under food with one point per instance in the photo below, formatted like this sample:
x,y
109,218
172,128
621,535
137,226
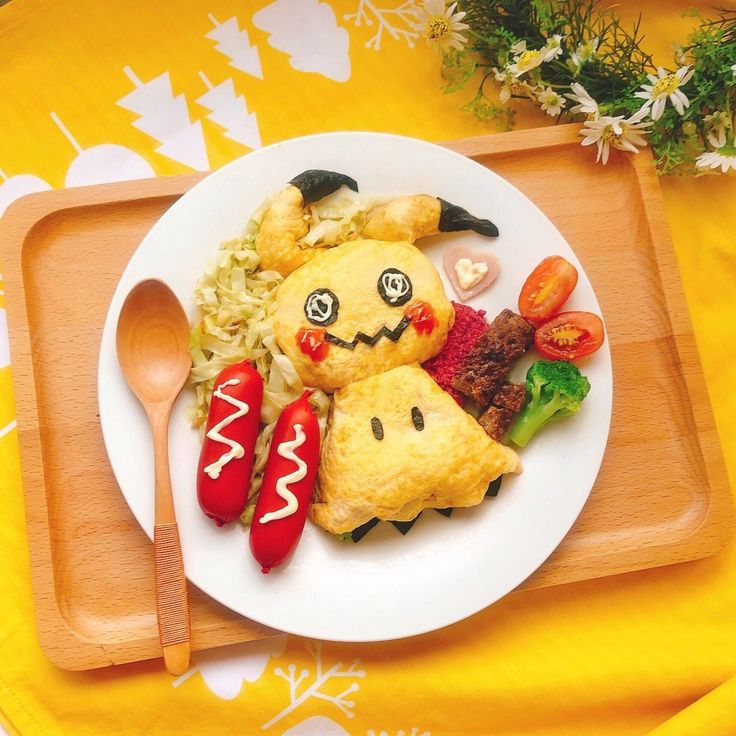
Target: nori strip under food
x,y
403,526
493,487
363,529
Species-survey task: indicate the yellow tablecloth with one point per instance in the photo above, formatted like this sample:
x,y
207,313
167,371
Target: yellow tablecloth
x,y
140,88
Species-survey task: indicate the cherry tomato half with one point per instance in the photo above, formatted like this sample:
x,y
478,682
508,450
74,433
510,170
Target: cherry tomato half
x,y
547,288
569,335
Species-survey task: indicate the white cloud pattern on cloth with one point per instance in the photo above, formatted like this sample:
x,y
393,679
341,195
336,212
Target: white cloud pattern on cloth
x,y
225,670
15,187
307,30
316,726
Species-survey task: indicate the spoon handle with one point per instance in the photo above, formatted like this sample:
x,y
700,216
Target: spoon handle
x,y
172,603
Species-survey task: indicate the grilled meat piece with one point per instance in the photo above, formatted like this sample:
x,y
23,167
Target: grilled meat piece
x,y
511,396
507,402
485,368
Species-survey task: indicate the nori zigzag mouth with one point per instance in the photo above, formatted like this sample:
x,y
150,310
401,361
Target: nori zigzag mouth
x,y
371,340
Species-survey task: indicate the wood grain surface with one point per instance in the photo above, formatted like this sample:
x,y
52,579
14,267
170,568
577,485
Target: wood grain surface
x,y
661,497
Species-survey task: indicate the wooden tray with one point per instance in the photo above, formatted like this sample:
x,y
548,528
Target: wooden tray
x,y
661,497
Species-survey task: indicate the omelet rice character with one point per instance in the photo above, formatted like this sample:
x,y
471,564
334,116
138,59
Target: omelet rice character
x,y
361,308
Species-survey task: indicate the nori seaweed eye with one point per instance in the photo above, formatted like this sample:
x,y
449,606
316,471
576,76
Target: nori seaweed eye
x,y
417,418
321,307
377,428
394,286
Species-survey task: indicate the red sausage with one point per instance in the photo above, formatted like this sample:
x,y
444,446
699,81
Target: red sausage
x,y
272,540
223,476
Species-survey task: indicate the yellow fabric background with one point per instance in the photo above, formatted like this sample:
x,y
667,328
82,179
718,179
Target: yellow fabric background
x,y
633,654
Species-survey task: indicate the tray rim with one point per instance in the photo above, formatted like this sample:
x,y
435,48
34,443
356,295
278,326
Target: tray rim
x,y
29,212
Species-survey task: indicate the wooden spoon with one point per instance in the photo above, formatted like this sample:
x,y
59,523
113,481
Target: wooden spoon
x,y
152,345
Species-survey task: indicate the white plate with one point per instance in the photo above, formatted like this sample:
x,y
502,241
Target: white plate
x,y
387,586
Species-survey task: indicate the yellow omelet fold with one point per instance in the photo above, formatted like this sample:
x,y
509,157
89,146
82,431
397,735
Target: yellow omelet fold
x,y
449,462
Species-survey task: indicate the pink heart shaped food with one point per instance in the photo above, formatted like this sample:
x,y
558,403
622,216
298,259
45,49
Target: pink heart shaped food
x,y
470,271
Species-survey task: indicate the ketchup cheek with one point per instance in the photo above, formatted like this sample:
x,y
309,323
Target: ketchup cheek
x,y
422,318
312,342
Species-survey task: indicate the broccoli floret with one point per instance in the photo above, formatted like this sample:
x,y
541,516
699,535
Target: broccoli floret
x,y
555,389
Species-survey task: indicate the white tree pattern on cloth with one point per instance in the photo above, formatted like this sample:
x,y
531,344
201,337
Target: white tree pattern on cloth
x,y
320,678
368,13
235,44
165,118
414,732
230,111
107,162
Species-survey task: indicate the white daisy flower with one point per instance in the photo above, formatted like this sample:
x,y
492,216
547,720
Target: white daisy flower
x,y
617,132
666,85
553,47
716,125
733,70
584,51
506,78
518,48
551,102
601,131
585,103
723,158
440,25
632,133
526,61
510,85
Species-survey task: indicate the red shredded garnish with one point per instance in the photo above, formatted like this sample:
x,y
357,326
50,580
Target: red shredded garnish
x,y
469,326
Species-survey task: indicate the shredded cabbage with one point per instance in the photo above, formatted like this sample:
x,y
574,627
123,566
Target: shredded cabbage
x,y
338,217
235,300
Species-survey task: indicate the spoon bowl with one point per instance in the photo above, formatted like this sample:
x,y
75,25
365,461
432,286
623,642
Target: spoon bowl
x,y
152,342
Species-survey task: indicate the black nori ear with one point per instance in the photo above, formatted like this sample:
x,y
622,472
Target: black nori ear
x,y
316,183
453,218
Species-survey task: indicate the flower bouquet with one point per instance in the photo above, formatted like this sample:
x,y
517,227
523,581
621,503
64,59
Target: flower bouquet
x,y
576,60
